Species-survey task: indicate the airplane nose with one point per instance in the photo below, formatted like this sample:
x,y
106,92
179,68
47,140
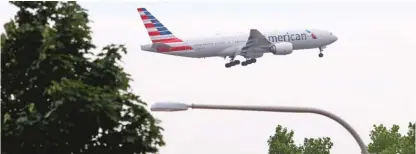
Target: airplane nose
x,y
334,38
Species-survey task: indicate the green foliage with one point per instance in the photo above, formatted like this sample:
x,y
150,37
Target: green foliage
x,y
317,145
408,141
282,143
390,141
56,100
383,141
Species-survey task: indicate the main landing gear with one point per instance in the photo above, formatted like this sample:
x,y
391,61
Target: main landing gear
x,y
232,63
236,62
320,52
248,62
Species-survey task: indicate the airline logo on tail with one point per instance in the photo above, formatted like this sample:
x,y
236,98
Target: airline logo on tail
x,y
158,33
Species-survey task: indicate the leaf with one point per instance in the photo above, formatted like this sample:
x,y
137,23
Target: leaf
x,y
22,120
6,117
31,107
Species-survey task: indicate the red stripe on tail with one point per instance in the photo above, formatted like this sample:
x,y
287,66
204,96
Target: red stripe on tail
x,y
177,48
171,40
144,17
149,25
155,33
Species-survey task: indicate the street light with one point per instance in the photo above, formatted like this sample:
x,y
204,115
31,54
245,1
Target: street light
x,y
176,106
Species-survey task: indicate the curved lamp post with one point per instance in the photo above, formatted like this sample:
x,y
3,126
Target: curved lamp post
x,y
175,106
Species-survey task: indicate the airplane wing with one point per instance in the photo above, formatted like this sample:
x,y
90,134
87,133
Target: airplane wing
x,y
256,45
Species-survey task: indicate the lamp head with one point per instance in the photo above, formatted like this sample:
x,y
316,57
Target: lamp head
x,y
168,106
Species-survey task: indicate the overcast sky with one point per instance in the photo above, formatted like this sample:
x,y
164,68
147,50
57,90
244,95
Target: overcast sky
x,y
367,77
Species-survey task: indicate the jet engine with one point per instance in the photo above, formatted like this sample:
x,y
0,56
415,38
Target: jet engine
x,y
282,48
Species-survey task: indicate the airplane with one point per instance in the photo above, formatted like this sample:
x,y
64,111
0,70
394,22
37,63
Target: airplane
x,y
250,46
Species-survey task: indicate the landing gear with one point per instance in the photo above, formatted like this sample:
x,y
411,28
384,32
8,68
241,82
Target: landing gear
x,y
237,62
248,62
232,63
320,52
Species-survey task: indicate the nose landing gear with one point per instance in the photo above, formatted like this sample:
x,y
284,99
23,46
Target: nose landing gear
x,y
320,55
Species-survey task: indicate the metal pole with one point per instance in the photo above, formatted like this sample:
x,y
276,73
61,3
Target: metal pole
x,y
292,110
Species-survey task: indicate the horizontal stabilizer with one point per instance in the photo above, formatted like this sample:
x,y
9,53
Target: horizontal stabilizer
x,y
160,45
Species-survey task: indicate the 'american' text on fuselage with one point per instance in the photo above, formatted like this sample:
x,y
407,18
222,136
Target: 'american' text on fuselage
x,y
287,37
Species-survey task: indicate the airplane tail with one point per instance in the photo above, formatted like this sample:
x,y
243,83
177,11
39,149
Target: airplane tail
x,y
158,33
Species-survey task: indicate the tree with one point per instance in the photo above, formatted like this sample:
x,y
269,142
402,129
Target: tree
x,y
56,100
321,145
384,141
282,143
390,141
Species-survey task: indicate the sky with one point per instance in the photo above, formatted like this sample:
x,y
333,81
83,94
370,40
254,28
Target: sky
x,y
365,77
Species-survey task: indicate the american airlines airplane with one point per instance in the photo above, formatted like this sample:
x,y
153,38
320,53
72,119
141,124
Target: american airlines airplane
x,y
250,46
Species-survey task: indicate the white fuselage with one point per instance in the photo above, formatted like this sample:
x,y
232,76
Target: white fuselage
x,y
224,46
